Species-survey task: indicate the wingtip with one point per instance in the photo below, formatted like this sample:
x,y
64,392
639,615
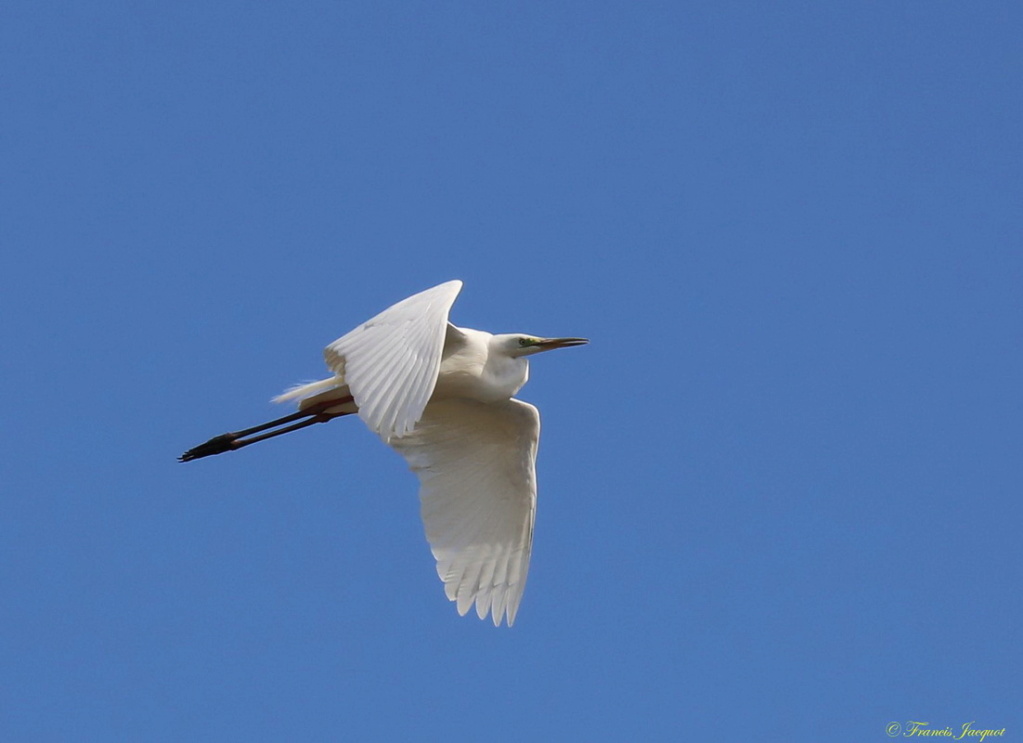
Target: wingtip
x,y
453,287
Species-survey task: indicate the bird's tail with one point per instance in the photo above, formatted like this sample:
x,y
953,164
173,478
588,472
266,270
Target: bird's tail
x,y
302,392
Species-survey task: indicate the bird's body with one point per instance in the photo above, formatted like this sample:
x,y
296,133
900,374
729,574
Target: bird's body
x,y
442,396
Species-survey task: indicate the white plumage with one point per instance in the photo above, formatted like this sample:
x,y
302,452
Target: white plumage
x,y
475,463
391,362
442,397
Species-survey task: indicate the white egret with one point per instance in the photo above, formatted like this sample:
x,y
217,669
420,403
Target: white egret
x,y
442,396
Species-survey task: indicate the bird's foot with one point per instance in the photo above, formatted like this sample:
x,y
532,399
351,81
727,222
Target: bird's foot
x,y
216,445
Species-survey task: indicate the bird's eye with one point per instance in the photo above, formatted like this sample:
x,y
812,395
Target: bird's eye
x,y
525,341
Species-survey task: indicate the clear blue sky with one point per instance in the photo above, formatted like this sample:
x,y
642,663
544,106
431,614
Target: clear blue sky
x,y
779,492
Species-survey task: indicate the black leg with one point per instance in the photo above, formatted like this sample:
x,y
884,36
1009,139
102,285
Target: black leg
x,y
236,440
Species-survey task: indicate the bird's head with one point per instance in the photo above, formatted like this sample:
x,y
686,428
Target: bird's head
x,y
517,344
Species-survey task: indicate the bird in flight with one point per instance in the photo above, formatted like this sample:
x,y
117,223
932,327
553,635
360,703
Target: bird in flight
x,y
442,396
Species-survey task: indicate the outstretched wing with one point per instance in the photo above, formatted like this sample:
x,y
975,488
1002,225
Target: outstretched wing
x,y
390,363
477,476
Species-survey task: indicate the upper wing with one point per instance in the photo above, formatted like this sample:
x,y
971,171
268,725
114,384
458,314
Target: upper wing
x,y
476,468
390,363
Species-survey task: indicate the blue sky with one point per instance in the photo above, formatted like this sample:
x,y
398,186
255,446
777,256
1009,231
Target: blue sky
x,y
779,492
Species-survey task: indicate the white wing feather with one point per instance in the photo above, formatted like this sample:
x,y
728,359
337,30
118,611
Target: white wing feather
x,y
476,468
390,363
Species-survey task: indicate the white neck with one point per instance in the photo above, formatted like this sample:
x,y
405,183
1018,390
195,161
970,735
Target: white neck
x,y
504,375
474,366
